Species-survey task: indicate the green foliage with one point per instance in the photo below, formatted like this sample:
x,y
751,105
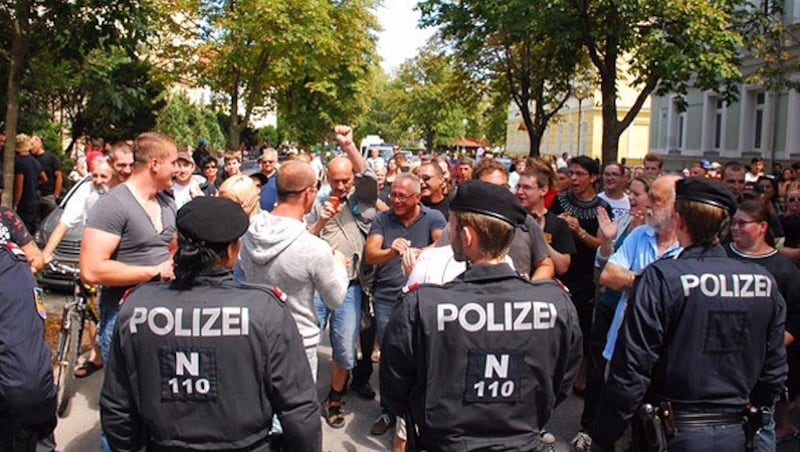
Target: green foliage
x,y
188,123
303,56
523,50
271,135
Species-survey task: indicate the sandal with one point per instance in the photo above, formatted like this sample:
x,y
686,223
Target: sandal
x,y
334,415
86,369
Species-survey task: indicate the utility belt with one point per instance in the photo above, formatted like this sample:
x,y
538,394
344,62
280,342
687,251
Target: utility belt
x,y
654,425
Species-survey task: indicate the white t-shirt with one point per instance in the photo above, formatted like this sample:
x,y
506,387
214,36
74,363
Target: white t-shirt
x,y
438,266
182,194
376,163
620,210
77,208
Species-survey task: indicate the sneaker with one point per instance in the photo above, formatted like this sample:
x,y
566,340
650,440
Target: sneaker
x,y
381,425
546,442
364,390
581,443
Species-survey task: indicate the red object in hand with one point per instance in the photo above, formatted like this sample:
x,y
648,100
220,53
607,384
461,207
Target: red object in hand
x,y
334,202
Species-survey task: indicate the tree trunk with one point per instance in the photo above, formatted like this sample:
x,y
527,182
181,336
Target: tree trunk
x,y
611,129
19,52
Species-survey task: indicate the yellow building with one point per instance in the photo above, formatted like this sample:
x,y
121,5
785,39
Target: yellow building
x,y
564,135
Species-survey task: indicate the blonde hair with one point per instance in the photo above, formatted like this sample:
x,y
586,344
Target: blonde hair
x,y
242,190
23,143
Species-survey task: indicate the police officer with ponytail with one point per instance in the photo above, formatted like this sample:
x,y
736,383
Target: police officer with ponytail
x,y
203,362
700,357
479,363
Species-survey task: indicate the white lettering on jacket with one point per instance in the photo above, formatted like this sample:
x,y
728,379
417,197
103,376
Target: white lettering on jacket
x,y
507,316
196,322
740,285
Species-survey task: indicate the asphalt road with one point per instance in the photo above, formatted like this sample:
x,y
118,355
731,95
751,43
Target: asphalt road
x,y
79,431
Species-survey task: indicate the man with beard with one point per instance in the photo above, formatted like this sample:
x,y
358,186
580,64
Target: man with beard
x,y
466,384
643,246
343,221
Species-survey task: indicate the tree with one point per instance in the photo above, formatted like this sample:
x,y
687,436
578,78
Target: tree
x,y
525,49
430,99
188,123
304,53
71,29
665,46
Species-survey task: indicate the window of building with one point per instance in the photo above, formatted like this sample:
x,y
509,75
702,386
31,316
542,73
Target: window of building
x,y
718,123
758,120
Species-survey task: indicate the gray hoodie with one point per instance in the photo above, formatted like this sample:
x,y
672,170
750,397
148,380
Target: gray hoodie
x,y
279,251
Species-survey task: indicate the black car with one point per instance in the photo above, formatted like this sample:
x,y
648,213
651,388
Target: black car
x,y
68,251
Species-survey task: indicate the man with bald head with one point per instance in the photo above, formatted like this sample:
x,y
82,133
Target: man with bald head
x,y
343,221
278,251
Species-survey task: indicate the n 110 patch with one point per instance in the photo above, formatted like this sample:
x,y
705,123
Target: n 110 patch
x,y
494,376
188,374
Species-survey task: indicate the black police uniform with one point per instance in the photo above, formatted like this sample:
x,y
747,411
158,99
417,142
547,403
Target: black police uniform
x,y
27,392
206,368
480,362
704,332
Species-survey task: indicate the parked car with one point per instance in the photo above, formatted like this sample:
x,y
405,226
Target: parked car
x,y
68,251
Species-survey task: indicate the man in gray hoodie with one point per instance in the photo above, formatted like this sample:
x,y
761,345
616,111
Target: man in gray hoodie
x,y
278,250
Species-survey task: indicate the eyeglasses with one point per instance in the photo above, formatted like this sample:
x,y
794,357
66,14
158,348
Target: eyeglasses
x,y
792,199
739,224
210,167
401,197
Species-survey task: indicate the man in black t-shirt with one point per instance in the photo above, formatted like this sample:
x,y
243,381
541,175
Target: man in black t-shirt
x,y
50,190
432,185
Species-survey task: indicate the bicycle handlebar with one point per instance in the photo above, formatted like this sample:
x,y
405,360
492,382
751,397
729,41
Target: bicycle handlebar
x,y
64,269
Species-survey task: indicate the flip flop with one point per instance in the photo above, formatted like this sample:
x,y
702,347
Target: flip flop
x,y
86,369
334,415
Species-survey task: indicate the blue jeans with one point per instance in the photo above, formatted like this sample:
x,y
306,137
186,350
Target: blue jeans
x,y
345,325
105,333
383,312
706,438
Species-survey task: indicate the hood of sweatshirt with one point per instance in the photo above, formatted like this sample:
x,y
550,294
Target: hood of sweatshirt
x,y
269,235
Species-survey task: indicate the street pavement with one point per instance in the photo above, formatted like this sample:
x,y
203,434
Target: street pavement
x,y
79,431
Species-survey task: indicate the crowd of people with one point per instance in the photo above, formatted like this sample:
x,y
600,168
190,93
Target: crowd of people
x,y
486,294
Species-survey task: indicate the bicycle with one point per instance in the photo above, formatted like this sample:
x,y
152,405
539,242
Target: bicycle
x,y
76,311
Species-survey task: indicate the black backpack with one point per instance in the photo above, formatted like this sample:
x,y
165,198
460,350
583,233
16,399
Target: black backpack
x,y
27,390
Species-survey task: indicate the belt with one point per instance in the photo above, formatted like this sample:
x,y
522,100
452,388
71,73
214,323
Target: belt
x,y
353,282
707,419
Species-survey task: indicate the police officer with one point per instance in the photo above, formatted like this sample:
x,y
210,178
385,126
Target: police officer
x,y
703,339
27,392
204,362
480,362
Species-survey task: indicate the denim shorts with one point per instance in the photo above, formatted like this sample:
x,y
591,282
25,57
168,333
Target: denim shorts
x,y
345,325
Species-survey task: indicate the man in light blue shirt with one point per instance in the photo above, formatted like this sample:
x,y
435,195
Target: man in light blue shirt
x,y
655,240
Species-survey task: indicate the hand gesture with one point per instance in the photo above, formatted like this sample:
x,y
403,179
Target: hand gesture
x,y
571,221
343,135
400,245
410,259
166,270
328,211
608,229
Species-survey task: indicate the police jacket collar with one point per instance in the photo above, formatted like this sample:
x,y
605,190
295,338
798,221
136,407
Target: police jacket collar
x,y
698,251
484,272
214,276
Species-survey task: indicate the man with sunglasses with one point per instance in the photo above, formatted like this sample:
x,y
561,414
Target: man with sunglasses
x,y
398,236
432,188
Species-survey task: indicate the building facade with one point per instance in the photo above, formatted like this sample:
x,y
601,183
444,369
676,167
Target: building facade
x,y
578,129
762,123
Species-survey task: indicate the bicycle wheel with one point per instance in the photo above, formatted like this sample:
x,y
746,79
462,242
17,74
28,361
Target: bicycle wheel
x,y
68,352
